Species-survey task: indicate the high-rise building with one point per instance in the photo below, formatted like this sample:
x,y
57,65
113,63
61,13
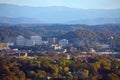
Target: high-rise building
x,y
20,40
53,40
36,40
63,42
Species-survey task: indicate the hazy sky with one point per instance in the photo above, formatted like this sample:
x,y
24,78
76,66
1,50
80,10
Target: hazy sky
x,y
86,4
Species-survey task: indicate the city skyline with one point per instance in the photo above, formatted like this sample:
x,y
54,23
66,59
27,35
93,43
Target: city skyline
x,y
83,4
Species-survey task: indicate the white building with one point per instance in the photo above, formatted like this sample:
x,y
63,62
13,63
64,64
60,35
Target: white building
x,y
92,50
20,40
36,40
102,46
68,56
63,42
10,44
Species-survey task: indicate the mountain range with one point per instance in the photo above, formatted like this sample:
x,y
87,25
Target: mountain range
x,y
16,14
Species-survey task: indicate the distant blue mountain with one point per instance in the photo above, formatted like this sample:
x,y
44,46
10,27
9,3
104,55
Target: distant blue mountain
x,y
96,21
19,20
57,14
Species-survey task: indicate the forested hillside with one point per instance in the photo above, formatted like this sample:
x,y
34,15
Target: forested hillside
x,y
77,34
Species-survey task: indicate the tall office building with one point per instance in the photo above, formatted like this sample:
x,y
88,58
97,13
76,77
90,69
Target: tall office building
x,y
20,40
36,40
53,40
63,42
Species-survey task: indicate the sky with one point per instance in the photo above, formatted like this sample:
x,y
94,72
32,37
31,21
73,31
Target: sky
x,y
83,4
